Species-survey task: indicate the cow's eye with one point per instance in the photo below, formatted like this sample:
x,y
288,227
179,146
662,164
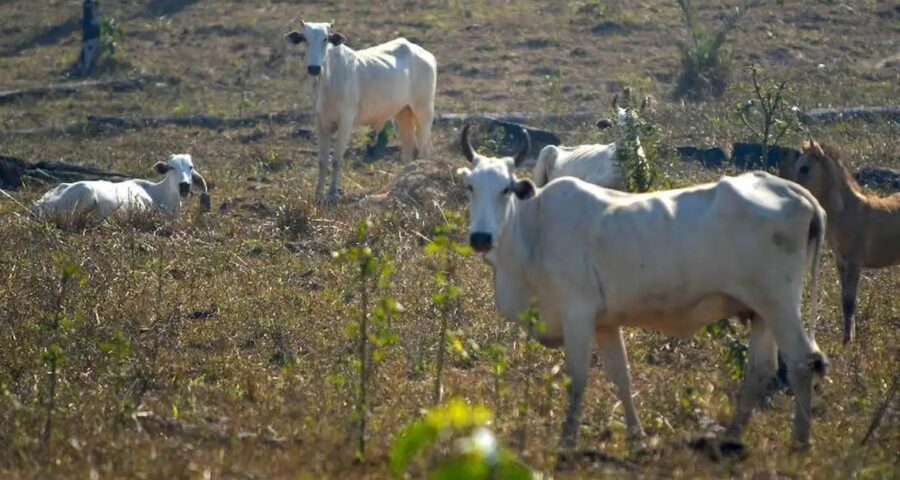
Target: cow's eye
x,y
506,191
804,170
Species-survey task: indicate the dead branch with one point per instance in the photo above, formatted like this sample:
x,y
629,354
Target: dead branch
x,y
882,409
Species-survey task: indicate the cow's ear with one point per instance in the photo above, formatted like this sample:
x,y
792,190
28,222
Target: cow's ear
x,y
463,172
294,37
161,168
524,189
336,38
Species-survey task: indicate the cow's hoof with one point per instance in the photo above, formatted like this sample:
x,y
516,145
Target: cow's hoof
x,y
719,449
635,435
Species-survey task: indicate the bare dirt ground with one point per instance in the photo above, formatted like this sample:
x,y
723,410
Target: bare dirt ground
x,y
219,344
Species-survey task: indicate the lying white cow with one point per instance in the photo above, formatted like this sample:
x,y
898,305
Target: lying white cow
x,y
596,260
367,87
100,198
594,163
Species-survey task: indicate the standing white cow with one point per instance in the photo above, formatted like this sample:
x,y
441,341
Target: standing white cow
x,y
367,87
596,260
99,198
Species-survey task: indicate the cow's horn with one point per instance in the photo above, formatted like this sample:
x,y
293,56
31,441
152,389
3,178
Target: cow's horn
x,y
467,149
523,151
204,197
615,102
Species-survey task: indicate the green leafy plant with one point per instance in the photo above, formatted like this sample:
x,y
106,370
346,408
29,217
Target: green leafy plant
x,y
637,146
767,116
530,320
110,35
475,452
56,329
446,251
705,61
371,343
736,355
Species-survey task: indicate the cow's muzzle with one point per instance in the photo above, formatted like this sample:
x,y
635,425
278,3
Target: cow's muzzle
x,y
314,70
184,188
481,242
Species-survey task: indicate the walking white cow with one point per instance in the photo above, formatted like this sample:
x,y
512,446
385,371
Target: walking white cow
x,y
367,87
596,260
99,198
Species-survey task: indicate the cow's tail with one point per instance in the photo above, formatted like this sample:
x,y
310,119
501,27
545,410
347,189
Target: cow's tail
x,y
815,244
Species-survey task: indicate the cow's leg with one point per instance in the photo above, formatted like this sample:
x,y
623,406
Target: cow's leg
x,y
424,119
762,363
406,126
849,271
615,362
341,140
324,134
802,361
578,326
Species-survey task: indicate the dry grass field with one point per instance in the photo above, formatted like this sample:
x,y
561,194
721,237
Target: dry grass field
x,y
221,345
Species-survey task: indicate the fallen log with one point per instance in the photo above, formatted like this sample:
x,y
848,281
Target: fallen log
x,y
15,171
867,114
202,121
68,88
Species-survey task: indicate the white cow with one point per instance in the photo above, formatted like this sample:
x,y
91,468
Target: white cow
x,y
595,163
367,87
100,198
596,259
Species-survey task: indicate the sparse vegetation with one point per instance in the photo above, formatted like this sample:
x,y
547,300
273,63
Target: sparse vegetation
x,y
217,345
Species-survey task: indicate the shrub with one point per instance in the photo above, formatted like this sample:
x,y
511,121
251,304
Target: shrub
x,y
705,61
767,115
636,146
110,35
371,339
446,250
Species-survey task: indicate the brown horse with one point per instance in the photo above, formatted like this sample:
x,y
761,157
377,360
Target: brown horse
x,y
863,229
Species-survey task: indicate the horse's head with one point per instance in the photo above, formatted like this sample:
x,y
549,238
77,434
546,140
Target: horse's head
x,y
820,171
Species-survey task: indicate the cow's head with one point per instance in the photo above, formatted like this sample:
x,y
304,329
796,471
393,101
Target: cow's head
x,y
492,187
317,36
179,170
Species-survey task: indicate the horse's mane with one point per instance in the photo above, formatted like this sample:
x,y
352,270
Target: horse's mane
x,y
833,157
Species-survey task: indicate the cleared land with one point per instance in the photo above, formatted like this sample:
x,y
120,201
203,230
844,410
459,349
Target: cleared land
x,y
219,343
